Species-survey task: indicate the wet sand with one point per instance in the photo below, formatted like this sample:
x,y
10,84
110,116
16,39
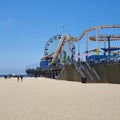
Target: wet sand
x,y
49,99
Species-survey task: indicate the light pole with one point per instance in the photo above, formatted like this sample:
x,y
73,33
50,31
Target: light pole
x,y
109,50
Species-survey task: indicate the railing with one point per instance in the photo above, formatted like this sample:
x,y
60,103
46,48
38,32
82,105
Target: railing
x,y
93,71
96,74
81,72
88,65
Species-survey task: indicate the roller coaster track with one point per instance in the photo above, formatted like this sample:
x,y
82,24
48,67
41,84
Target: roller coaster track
x,y
105,37
65,38
97,28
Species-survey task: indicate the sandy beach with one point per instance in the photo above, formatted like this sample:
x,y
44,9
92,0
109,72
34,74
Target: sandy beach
x,y
49,99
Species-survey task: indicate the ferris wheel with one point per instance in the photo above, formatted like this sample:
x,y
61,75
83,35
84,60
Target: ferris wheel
x,y
68,49
51,44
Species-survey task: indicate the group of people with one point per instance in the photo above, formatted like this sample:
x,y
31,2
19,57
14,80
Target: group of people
x,y
19,77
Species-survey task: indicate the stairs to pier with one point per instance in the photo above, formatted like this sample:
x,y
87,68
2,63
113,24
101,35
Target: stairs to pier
x,y
90,73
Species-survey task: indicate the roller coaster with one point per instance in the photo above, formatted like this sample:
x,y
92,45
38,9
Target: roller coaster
x,y
60,49
68,38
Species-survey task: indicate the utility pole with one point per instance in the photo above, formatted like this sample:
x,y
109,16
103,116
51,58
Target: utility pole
x,y
109,50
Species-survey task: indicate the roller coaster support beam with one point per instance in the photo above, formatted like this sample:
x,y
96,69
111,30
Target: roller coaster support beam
x,y
97,41
86,46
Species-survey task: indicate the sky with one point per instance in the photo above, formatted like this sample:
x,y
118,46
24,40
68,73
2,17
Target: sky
x,y
26,26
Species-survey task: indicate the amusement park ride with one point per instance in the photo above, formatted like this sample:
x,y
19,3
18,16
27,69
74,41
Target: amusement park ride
x,y
59,53
60,49
63,39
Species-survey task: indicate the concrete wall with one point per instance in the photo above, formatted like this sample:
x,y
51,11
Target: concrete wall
x,y
70,73
108,73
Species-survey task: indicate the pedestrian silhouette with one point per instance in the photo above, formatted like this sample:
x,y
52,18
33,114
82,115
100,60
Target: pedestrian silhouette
x,y
17,78
21,77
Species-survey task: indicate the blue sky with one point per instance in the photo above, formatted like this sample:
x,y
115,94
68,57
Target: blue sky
x,y
26,25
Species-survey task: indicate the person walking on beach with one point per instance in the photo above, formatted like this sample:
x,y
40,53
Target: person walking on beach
x,y
5,76
21,77
18,78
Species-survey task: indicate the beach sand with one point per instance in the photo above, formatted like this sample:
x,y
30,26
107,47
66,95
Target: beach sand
x,y
49,99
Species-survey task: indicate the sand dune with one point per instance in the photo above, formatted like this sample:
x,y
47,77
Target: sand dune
x,y
48,99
